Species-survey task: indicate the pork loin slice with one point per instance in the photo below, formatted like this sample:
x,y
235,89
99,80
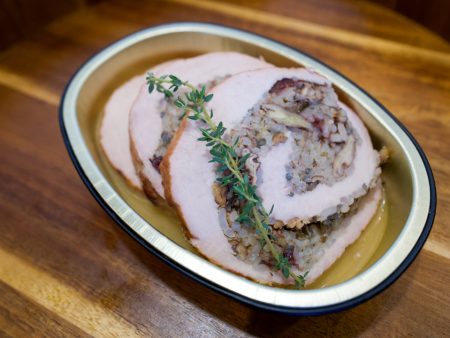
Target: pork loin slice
x,y
146,117
232,101
114,135
189,178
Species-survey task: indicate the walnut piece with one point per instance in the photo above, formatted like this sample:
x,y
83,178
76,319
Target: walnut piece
x,y
278,138
384,154
295,223
219,193
278,225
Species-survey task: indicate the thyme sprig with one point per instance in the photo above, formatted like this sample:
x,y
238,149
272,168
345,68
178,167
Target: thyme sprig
x,y
230,165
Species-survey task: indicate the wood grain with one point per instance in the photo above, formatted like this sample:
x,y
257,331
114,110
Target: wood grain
x,y
432,14
20,18
67,270
362,17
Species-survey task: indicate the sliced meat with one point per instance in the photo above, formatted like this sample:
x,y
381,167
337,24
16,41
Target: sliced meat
x,y
189,178
114,135
232,101
150,114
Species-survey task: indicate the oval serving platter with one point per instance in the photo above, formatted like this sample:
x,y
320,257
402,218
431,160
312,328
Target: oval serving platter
x,y
410,191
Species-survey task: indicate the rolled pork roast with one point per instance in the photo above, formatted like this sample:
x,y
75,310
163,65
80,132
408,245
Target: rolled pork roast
x,y
311,158
154,118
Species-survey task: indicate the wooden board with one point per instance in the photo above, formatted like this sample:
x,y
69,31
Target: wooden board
x,y
67,270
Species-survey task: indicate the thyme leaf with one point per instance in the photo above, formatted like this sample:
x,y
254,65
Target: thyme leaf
x,y
224,155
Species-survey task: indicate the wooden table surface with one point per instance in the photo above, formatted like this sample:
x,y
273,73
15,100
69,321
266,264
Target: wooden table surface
x,y
66,269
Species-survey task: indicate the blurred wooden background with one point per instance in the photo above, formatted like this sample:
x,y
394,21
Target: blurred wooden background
x,y
433,14
20,18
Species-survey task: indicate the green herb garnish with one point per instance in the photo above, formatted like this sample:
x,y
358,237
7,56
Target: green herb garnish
x,y
230,165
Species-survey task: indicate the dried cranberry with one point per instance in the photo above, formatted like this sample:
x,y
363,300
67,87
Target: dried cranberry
x,y
156,162
288,253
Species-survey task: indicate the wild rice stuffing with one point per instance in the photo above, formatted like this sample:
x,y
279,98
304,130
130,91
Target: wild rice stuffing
x,y
325,146
308,113
302,247
170,118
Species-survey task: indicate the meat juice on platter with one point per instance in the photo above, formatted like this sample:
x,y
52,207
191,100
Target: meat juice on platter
x,y
307,154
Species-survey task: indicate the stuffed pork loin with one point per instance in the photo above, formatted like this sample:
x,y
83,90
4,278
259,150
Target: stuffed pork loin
x,y
154,118
311,157
114,135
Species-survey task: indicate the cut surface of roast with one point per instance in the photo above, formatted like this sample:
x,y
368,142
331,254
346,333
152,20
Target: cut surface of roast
x,y
114,128
315,140
311,157
114,136
154,119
